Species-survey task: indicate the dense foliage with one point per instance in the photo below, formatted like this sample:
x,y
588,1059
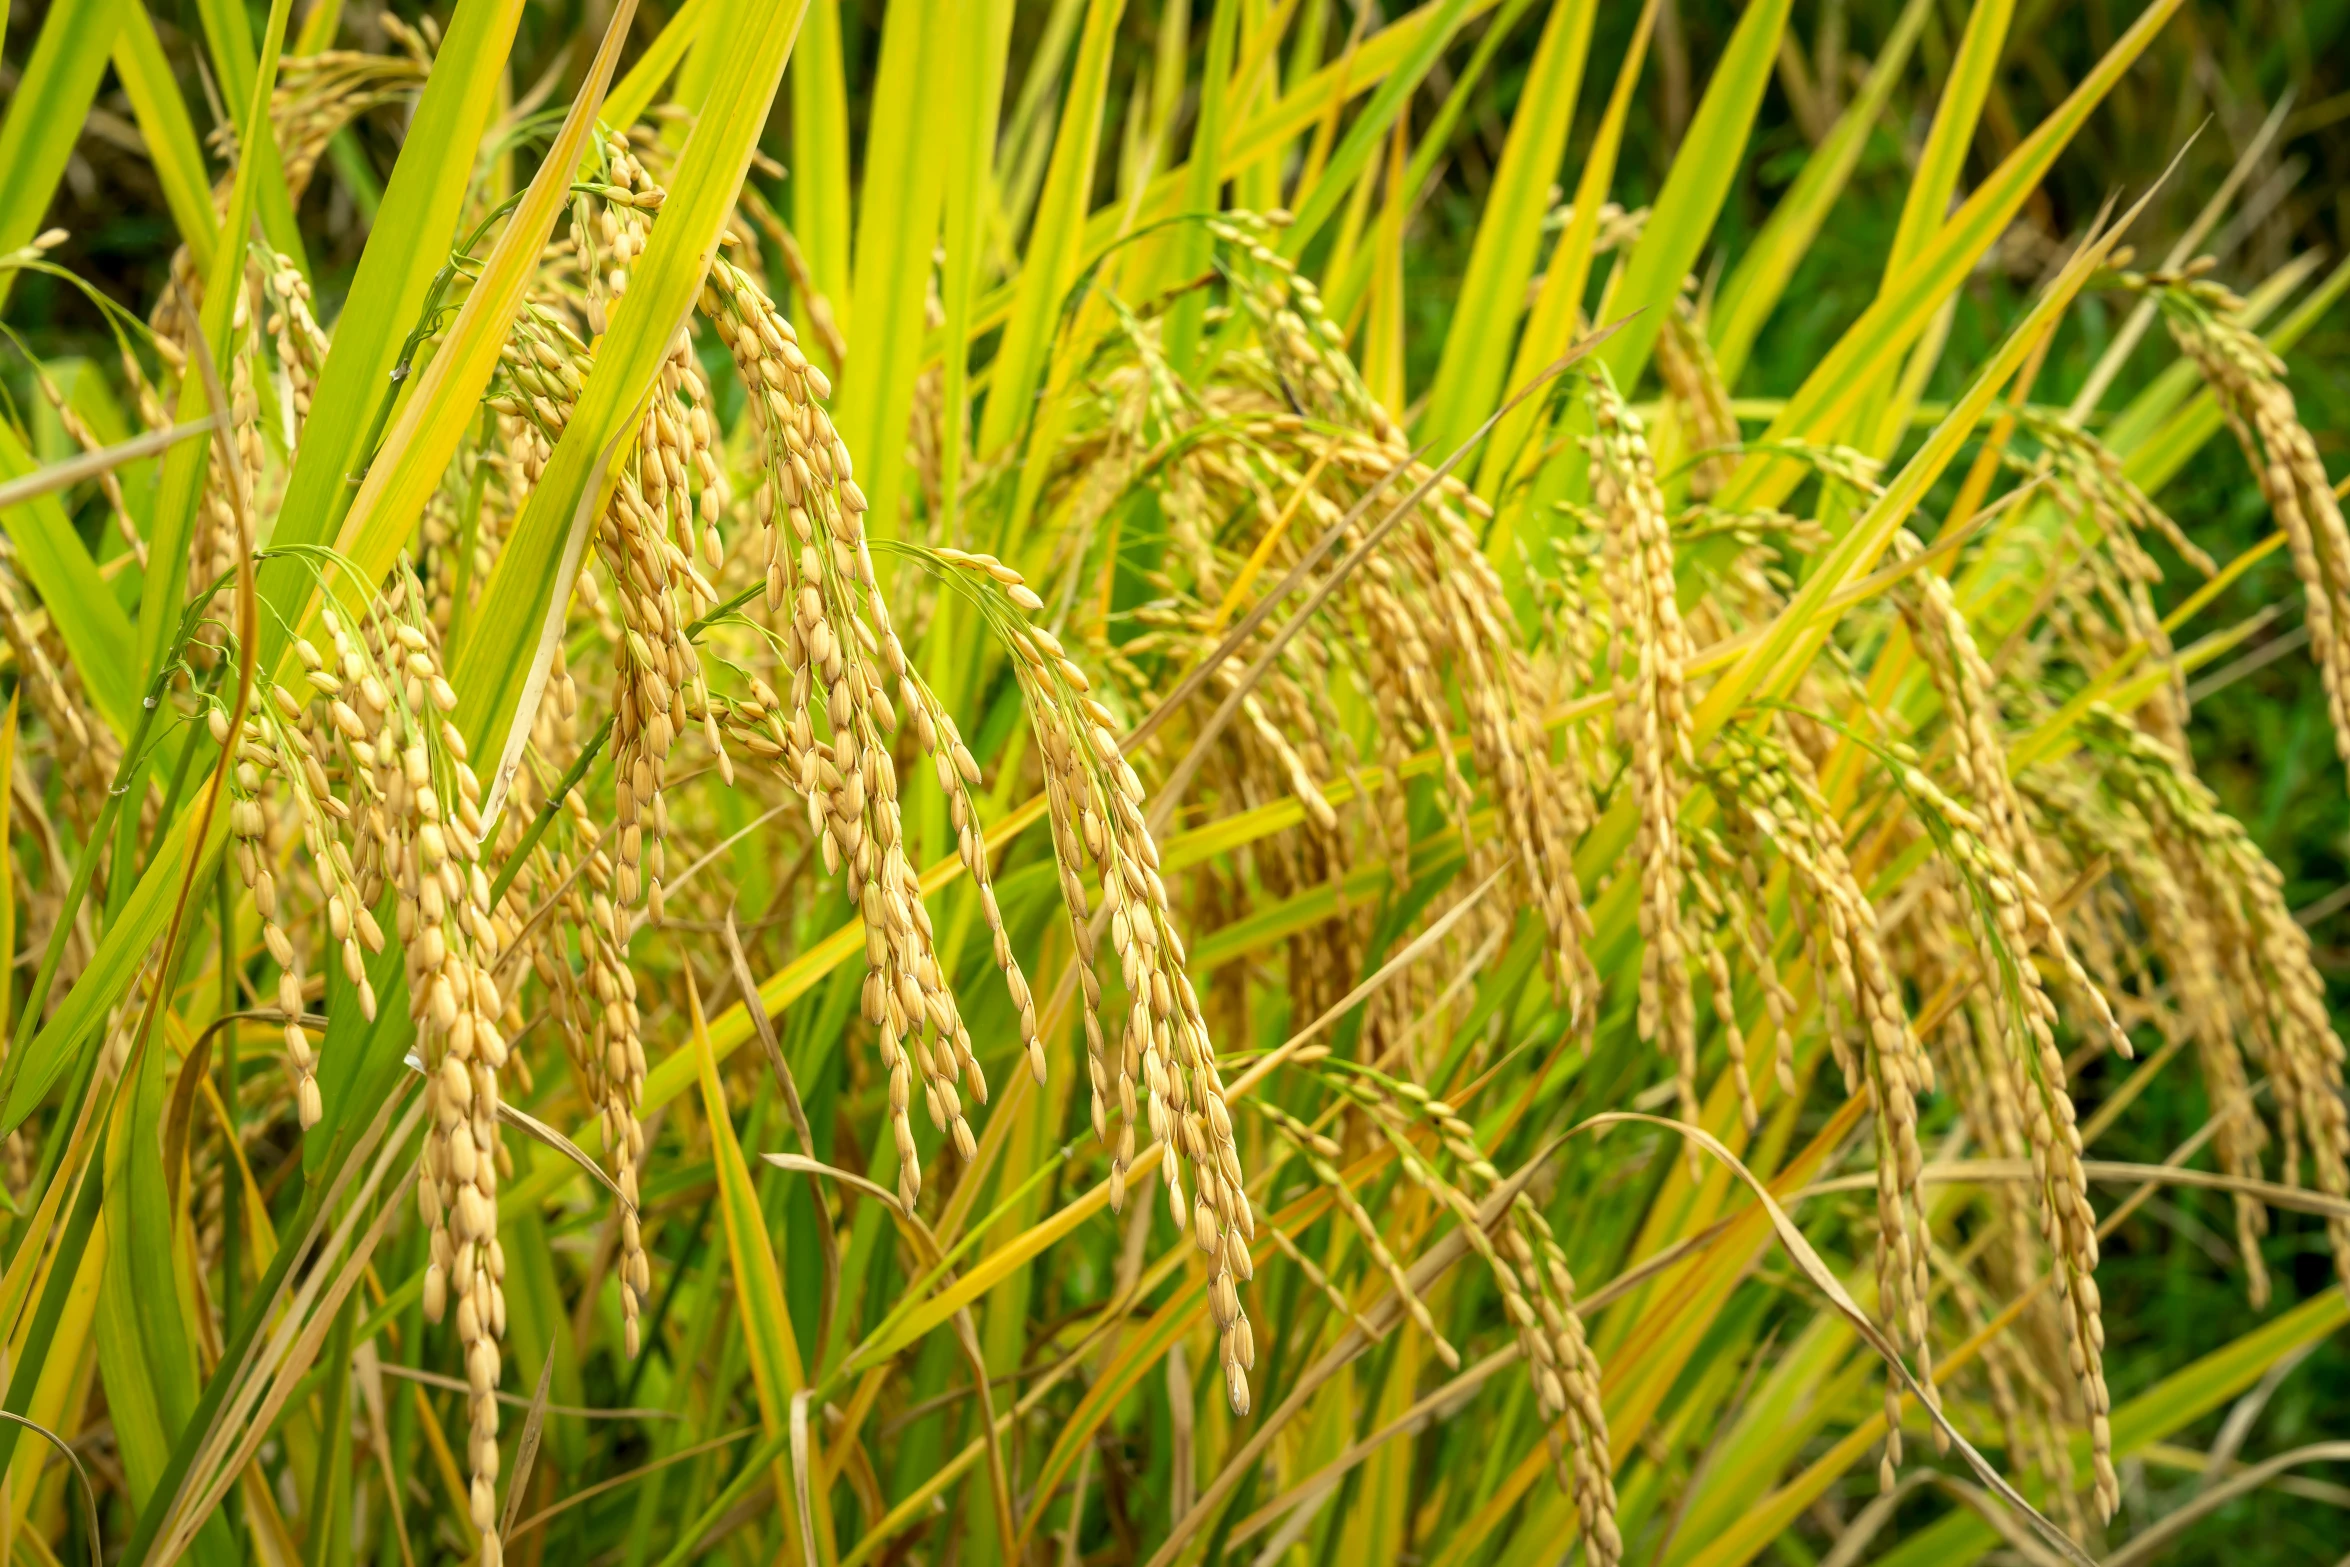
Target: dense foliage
x,y
1145,781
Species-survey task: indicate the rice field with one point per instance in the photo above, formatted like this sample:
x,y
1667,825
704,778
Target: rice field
x,y
1173,781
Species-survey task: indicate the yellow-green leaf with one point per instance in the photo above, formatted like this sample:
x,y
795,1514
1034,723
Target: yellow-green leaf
x,y
46,112
897,228
497,661
1754,286
172,148
1056,240
51,555
820,156
1469,377
1704,166
633,94
1558,308
1841,379
758,1285
407,246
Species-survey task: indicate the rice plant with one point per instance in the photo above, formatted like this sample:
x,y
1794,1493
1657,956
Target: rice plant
x,y
870,819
